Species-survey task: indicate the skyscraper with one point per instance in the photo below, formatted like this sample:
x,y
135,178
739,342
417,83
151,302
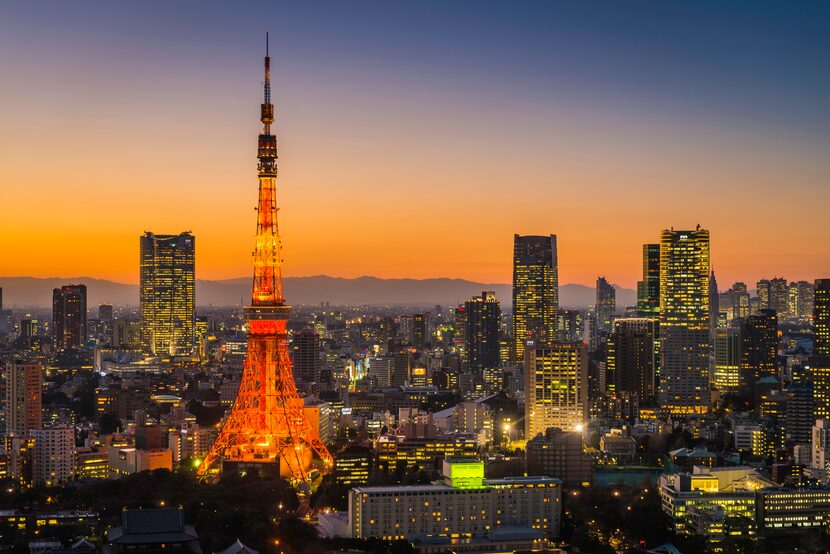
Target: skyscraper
x,y
483,315
684,321
535,291
24,383
648,290
606,305
168,294
759,347
556,387
821,317
305,355
773,294
69,328
630,361
727,344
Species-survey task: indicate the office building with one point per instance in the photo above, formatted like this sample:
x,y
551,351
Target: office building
x,y
482,340
24,383
606,305
648,290
69,325
727,374
571,325
465,505
759,347
305,355
821,317
167,290
562,455
684,321
105,312
556,387
773,294
630,358
53,456
820,454
353,465
535,291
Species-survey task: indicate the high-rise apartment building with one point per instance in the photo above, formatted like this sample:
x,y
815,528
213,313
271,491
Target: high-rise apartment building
x,y
556,387
53,457
69,325
606,305
24,383
648,290
684,321
727,374
535,291
305,355
482,332
630,362
168,294
759,347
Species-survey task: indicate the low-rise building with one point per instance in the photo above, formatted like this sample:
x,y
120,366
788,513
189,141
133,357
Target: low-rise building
x,y
466,505
129,460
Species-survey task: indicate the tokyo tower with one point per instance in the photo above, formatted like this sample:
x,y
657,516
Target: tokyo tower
x,y
267,428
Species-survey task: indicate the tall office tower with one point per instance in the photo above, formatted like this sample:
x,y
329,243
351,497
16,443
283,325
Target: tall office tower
x,y
714,306
606,305
779,295
762,288
806,295
727,374
799,417
821,317
648,290
556,387
792,300
69,328
24,382
482,338
268,429
535,291
305,355
571,325
53,457
105,312
630,362
684,321
460,331
419,330
759,347
1,298
168,294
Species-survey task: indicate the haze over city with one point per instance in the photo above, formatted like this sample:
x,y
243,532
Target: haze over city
x,y
415,144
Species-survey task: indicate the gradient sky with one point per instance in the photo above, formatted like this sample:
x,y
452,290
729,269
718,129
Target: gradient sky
x,y
417,137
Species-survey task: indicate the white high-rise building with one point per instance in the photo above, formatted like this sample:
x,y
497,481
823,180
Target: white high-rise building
x,y
556,387
53,456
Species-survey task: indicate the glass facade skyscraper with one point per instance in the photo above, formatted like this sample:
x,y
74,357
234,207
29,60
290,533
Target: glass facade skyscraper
x,y
168,294
535,291
69,322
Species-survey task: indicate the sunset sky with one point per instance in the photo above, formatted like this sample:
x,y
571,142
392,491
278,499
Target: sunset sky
x,y
417,137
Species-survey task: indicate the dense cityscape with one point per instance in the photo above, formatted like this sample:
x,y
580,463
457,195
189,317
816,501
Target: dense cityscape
x,y
694,417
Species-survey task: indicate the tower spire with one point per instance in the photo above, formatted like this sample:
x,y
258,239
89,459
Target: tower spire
x,y
267,108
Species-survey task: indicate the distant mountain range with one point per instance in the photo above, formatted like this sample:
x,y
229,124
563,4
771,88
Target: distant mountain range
x,y
37,292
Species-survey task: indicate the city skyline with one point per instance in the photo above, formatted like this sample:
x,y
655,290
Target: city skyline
x,y
578,137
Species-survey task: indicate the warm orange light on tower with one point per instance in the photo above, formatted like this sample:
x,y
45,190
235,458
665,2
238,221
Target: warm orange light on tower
x,y
267,423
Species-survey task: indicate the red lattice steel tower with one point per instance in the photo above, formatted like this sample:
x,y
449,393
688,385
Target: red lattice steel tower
x,y
267,423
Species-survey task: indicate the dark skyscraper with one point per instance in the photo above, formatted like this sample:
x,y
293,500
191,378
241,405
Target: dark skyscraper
x,y
168,294
648,290
482,332
759,347
69,328
535,291
606,305
630,364
105,312
305,354
821,317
